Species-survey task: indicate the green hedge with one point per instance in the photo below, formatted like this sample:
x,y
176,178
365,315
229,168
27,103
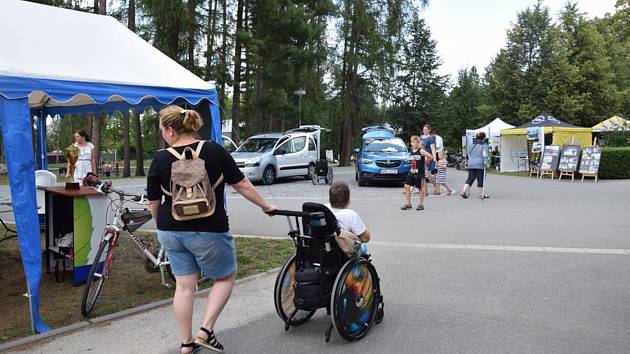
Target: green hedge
x,y
615,163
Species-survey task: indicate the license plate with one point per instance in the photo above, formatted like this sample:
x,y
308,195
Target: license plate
x,y
387,171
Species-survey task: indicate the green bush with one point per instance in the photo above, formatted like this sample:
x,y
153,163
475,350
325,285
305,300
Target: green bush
x,y
615,163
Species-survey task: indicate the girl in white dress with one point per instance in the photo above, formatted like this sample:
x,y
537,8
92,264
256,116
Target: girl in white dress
x,y
87,161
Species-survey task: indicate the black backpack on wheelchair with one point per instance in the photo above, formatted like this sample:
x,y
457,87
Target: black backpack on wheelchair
x,y
321,275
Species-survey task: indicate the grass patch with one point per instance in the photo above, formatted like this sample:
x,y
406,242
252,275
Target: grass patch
x,y
129,286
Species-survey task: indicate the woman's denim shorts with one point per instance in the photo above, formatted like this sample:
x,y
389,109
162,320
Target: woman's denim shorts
x,y
191,251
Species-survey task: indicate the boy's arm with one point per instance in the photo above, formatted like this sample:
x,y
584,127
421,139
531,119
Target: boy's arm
x,y
365,236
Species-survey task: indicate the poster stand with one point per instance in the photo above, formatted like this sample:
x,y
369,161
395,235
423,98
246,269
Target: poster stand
x,y
549,161
589,164
568,161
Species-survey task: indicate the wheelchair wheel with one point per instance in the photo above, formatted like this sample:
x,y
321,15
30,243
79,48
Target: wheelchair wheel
x,y
356,299
314,178
329,177
283,295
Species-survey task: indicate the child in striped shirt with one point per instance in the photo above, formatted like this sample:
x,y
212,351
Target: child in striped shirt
x,y
440,179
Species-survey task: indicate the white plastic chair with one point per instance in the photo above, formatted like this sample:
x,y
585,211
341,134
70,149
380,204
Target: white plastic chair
x,y
43,178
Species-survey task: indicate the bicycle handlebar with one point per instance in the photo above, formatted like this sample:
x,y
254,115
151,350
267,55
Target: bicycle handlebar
x,y
105,187
317,214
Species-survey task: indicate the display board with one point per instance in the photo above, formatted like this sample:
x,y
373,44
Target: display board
x,y
569,158
589,164
551,156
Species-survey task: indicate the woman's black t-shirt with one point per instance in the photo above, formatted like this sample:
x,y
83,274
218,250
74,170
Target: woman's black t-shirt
x,y
218,161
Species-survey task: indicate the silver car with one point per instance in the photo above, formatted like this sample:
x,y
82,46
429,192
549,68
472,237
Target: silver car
x,y
267,157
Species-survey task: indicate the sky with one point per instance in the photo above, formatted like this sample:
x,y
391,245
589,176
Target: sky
x,y
471,33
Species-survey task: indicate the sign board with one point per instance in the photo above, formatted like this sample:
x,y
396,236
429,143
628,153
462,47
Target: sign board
x,y
569,158
551,156
589,164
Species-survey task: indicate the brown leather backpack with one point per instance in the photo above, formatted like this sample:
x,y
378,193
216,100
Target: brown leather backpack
x,y
193,196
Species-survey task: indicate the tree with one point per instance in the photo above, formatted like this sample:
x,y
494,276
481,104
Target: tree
x,y
516,76
420,89
463,106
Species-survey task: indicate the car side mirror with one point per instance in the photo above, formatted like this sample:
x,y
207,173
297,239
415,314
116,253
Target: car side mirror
x,y
356,150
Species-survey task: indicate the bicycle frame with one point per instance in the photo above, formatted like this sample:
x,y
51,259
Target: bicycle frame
x,y
116,226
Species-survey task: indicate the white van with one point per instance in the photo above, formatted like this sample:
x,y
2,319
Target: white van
x,y
267,157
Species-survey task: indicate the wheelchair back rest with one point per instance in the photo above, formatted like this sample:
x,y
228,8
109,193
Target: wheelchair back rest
x,y
319,227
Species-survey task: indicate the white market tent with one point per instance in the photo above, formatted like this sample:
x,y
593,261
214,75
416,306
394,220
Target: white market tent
x,y
492,130
57,61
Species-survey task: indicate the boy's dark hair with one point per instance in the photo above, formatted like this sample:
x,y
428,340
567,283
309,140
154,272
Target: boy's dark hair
x,y
339,195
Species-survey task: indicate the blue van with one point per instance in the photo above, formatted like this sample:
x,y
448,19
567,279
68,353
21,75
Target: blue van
x,y
381,157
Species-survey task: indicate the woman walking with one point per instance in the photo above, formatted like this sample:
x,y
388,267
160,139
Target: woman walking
x,y
477,156
202,244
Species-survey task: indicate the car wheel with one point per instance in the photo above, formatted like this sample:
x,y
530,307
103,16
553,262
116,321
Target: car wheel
x,y
361,181
269,175
311,171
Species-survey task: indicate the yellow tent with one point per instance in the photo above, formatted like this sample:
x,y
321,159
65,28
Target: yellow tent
x,y
514,141
612,124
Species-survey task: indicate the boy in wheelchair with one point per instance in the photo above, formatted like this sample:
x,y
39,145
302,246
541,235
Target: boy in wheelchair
x,y
322,275
347,219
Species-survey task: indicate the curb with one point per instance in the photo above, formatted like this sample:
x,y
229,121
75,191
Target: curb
x,y
115,316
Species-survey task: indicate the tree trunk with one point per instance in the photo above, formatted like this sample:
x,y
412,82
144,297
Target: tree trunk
x,y
90,123
131,15
102,7
236,96
191,34
223,55
210,40
126,145
97,140
248,82
139,150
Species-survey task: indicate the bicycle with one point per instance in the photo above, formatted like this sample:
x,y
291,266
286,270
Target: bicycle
x,y
125,219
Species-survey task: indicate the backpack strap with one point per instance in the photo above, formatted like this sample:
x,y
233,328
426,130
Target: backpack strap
x,y
219,180
182,156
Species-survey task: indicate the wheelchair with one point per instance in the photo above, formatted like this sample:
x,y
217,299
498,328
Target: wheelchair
x,y
321,275
322,172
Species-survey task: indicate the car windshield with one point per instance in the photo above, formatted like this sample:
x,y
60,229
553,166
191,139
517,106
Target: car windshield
x,y
257,145
385,145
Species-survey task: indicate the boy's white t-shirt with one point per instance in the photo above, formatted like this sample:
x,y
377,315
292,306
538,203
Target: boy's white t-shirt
x,y
348,220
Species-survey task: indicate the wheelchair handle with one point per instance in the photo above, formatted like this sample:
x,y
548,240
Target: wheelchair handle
x,y
317,214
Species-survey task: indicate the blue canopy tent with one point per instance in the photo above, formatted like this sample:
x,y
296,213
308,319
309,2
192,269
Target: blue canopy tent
x,y
66,61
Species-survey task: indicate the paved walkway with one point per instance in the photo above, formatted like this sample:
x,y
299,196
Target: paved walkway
x,y
540,267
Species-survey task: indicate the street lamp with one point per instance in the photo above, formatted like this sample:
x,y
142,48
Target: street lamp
x,y
300,92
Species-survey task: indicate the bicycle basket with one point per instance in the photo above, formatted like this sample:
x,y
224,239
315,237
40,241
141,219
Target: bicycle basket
x,y
134,219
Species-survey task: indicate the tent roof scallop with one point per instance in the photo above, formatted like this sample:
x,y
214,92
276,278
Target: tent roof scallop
x,y
57,56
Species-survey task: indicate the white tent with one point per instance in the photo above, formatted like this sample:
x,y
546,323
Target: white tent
x,y
57,61
492,131
493,128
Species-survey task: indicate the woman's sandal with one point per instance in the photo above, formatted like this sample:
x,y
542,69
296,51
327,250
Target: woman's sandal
x,y
464,195
420,207
405,207
211,342
192,345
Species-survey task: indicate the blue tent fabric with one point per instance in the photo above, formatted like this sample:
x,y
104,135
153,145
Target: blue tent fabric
x,y
16,131
16,120
14,87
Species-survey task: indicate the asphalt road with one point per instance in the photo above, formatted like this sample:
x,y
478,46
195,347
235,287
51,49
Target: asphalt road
x,y
540,267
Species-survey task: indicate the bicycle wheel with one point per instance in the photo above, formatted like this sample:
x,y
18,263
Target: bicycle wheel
x,y
284,293
99,272
355,299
